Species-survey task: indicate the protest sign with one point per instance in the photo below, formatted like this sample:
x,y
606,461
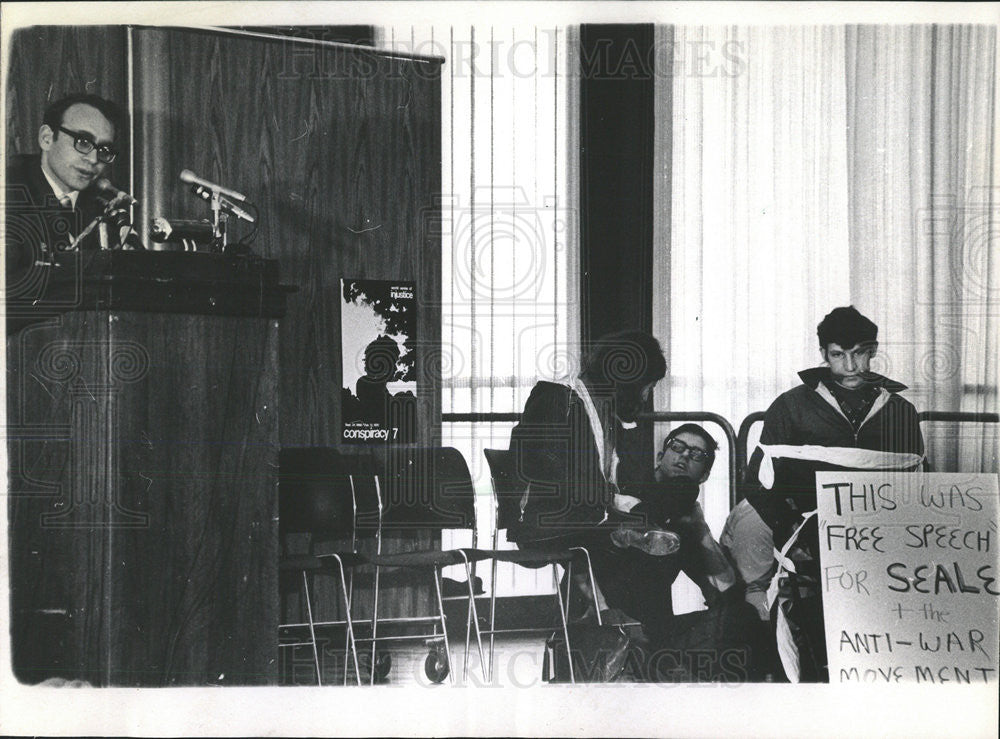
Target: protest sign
x,y
909,573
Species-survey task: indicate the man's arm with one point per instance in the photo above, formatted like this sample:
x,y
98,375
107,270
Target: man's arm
x,y
702,559
774,506
662,501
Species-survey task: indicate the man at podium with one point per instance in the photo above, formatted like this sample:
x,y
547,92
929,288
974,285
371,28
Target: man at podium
x,y
53,196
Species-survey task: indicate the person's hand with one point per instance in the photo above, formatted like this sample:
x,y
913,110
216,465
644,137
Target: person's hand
x,y
624,503
694,521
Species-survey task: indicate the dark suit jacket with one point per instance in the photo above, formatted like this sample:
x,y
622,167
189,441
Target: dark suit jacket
x,y
35,216
37,223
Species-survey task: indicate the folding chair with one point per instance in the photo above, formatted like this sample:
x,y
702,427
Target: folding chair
x,y
318,496
507,491
429,489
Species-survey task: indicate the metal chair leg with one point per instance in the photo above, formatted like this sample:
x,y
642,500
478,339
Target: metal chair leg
x,y
493,614
468,625
444,626
375,585
475,621
312,628
569,587
350,625
347,643
565,628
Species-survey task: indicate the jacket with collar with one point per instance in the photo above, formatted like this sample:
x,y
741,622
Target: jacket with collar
x,y
35,215
810,415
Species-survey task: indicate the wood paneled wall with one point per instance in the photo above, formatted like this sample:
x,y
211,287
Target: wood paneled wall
x,y
340,149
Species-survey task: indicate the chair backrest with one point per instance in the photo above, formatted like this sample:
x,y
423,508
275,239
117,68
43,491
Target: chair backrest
x,y
742,443
314,492
364,473
508,488
427,488
320,490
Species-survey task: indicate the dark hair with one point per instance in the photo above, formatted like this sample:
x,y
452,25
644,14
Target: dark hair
x,y
53,116
631,358
847,327
711,445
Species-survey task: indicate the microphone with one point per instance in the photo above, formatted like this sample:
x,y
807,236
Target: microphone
x,y
201,192
237,211
111,192
190,178
163,230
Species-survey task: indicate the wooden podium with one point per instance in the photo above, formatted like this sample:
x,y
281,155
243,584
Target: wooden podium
x,y
142,444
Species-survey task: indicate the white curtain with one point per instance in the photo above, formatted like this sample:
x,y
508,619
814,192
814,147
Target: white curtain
x,y
924,220
757,245
509,233
825,166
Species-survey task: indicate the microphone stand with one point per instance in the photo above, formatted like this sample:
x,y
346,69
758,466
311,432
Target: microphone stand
x,y
75,245
102,218
222,209
219,218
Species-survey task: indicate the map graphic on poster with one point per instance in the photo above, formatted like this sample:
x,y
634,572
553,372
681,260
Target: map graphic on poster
x,y
909,576
378,329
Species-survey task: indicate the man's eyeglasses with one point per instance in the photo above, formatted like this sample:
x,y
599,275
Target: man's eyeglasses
x,y
84,144
694,453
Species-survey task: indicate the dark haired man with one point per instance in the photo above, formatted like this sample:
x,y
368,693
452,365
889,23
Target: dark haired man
x,y
842,416
566,452
565,445
51,196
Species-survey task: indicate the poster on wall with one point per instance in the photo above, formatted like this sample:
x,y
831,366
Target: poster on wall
x,y
910,577
378,329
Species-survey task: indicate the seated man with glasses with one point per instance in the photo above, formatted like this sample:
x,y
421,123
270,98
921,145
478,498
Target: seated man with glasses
x,y
703,645
676,522
682,465
51,196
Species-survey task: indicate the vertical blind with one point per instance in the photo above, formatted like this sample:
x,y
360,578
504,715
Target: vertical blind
x,y
509,232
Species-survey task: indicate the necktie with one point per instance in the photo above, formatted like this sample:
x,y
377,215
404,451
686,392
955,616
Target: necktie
x,y
67,202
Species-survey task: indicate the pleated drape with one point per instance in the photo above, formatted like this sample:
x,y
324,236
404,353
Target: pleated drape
x,y
924,219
